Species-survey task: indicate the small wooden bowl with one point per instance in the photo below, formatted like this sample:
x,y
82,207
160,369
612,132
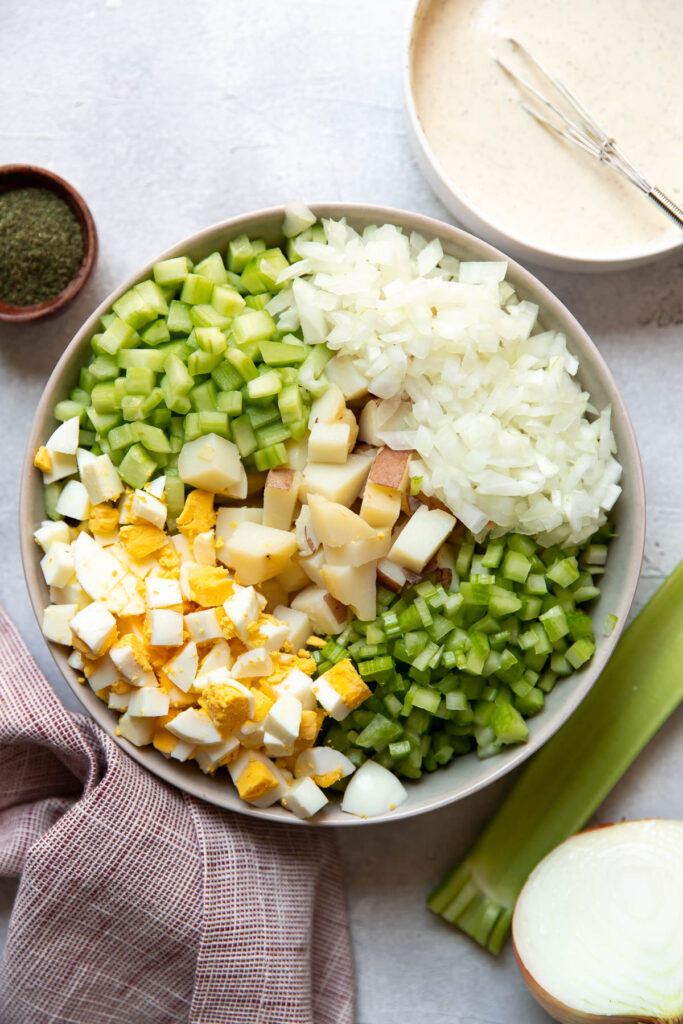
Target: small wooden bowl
x,y
26,176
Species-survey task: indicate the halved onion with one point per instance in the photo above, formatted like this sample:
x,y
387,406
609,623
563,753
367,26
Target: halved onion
x,y
598,927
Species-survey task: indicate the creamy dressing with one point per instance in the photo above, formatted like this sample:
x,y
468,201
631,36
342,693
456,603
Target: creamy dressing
x,y
624,61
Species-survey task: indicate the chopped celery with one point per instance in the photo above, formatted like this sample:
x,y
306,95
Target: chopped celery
x,y
137,467
569,778
479,659
171,272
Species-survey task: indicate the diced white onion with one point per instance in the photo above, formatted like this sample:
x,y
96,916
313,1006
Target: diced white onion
x,y
504,432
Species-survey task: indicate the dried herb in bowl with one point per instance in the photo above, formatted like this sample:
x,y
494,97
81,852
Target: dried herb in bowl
x,y
41,246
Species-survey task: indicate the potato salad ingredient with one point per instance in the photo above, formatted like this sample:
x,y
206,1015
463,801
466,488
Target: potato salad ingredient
x,y
465,376
598,930
571,775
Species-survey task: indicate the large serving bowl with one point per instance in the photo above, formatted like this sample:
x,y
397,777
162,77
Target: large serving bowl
x,y
467,774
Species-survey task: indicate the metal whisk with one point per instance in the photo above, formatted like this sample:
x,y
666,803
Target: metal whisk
x,y
584,132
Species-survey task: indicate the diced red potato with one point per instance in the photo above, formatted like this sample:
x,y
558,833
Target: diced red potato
x,y
211,463
293,578
368,423
274,593
358,552
391,575
280,496
390,469
355,586
306,537
381,505
336,483
348,417
326,614
335,524
328,408
238,490
227,521
421,537
312,566
257,552
329,442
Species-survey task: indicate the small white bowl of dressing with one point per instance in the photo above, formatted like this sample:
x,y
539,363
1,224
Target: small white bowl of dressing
x,y
514,183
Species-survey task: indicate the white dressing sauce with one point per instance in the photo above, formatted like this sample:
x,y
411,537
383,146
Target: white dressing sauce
x,y
624,61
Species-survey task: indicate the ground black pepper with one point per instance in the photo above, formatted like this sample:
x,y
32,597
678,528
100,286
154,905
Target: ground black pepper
x,y
41,246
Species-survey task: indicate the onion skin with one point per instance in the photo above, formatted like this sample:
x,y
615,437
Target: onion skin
x,y
566,1014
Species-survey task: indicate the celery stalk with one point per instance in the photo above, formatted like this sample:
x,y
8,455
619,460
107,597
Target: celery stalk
x,y
570,777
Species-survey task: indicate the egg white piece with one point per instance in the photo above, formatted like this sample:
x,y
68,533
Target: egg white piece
x,y
298,623
322,761
148,508
162,592
204,626
148,702
74,502
49,533
204,548
138,731
242,608
373,790
182,668
62,465
65,438
166,628
220,656
123,659
282,724
93,626
97,570
55,624
253,663
304,798
104,674
156,488
58,564
101,480
210,757
194,726
300,686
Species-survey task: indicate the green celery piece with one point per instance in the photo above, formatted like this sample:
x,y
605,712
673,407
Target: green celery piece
x,y
254,325
241,250
213,268
196,290
568,779
276,353
118,334
137,467
171,272
226,301
153,297
66,410
132,308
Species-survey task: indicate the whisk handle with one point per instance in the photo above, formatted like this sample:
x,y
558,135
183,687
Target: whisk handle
x,y
667,205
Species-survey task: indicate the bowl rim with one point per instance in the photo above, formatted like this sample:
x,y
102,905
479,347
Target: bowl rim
x,y
475,220
32,176
196,783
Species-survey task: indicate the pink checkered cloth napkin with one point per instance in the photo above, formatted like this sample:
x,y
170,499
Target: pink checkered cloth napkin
x,y
138,903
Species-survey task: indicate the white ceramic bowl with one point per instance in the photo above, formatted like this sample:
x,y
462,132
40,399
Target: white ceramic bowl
x,y
475,219
467,774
